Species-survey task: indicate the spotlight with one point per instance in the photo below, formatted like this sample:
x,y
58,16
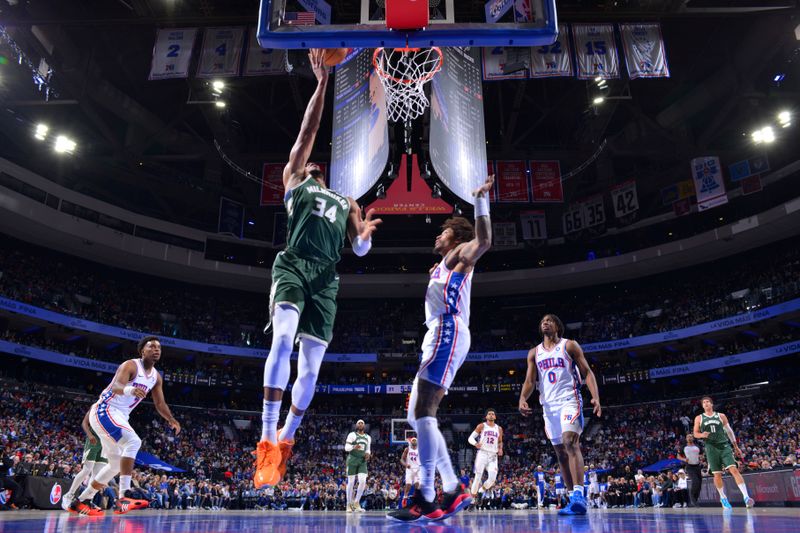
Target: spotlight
x,y
218,85
251,223
599,100
779,77
64,145
220,104
41,131
764,135
785,119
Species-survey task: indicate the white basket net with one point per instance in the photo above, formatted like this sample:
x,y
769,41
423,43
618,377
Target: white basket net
x,y
404,73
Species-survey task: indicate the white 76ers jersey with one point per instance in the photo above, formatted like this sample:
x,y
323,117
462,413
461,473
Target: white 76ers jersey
x,y
125,404
559,379
448,294
412,458
490,437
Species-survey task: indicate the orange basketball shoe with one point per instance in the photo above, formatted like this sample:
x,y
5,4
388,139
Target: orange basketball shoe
x,y
126,504
268,459
285,447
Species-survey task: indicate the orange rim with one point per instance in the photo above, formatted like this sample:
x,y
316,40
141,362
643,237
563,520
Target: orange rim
x,y
383,74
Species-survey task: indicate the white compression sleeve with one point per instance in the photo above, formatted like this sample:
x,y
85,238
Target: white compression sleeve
x,y
473,439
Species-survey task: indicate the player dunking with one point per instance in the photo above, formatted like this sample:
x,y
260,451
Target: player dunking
x,y
359,450
444,349
488,439
716,430
108,418
304,285
556,367
410,460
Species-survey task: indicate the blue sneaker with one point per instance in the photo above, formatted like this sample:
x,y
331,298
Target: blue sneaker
x,y
725,503
577,503
567,511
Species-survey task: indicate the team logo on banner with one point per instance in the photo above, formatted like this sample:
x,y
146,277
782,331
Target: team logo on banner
x,y
496,61
55,494
553,60
708,183
263,61
222,52
645,53
512,182
595,51
546,181
172,53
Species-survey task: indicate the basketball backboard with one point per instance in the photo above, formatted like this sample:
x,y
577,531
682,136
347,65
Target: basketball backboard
x,y
284,24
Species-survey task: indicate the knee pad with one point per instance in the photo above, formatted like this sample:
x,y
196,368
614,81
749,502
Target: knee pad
x,y
130,445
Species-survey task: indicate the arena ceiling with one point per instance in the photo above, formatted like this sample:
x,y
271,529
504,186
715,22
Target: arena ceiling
x,y
144,145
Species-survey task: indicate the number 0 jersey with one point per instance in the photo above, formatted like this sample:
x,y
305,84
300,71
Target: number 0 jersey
x,y
559,379
125,404
317,221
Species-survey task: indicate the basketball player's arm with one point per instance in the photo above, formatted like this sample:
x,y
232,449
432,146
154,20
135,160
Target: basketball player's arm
x,y
474,249
126,373
368,451
473,439
87,428
403,458
697,433
349,444
576,352
529,385
726,426
500,443
162,407
360,228
298,157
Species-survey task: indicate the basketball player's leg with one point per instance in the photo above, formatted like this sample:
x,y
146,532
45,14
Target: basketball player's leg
x,y
491,471
480,466
552,428
572,447
737,477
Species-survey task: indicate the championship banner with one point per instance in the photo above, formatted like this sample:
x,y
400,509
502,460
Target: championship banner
x,y
495,59
751,185
624,198
492,172
596,51
554,60
708,184
546,181
504,234
263,61
512,182
534,225
572,219
272,184
645,54
172,53
221,52
594,212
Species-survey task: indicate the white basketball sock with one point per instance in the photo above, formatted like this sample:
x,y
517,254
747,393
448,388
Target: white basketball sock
x,y
444,465
270,415
743,488
124,484
84,475
290,427
427,428
721,491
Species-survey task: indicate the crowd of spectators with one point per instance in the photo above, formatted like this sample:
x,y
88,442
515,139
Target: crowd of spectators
x,y
78,288
40,434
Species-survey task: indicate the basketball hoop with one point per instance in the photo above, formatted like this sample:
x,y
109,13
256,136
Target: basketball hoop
x,y
404,73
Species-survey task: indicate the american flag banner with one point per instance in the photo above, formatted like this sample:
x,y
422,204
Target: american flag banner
x,y
299,18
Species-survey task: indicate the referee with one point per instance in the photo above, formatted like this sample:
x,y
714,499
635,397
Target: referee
x,y
691,456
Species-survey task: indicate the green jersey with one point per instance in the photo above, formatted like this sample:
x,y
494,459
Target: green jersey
x,y
355,439
713,425
317,221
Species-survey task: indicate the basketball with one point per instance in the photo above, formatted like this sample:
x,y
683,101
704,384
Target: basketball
x,y
334,56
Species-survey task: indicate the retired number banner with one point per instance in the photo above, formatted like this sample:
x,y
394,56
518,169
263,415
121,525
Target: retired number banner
x,y
625,199
546,181
495,59
263,61
534,225
708,183
504,234
512,182
594,212
572,219
172,53
554,60
222,52
645,54
596,51
492,172
272,184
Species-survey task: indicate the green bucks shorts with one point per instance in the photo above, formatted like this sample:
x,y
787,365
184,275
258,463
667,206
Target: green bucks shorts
x,y
719,458
93,452
311,288
356,465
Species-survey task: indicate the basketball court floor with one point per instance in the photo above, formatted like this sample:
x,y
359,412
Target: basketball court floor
x,y
772,520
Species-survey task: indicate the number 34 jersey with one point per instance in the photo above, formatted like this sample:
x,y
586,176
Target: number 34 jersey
x,y
317,221
559,379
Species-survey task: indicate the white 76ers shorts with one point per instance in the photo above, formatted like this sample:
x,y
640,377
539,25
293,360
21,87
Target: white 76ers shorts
x,y
444,349
412,476
560,418
485,460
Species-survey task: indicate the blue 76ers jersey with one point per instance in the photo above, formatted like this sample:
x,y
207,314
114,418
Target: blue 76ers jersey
x,y
559,379
448,294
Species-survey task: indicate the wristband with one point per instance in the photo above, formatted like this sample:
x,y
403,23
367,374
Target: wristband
x,y
361,247
481,206
128,390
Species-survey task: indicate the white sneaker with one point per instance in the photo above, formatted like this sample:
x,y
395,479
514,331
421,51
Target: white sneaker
x,y
676,506
66,501
350,508
749,502
357,508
